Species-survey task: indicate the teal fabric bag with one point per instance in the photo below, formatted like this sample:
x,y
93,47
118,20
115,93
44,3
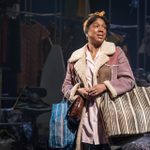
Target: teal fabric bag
x,y
60,135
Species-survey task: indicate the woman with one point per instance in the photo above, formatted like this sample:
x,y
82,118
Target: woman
x,y
98,67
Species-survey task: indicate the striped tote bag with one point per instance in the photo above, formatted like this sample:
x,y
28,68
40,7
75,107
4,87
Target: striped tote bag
x,y
60,135
128,114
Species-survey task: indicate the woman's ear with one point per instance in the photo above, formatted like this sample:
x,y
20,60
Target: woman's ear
x,y
86,35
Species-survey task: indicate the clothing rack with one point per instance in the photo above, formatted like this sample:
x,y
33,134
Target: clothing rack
x,y
113,26
39,14
28,13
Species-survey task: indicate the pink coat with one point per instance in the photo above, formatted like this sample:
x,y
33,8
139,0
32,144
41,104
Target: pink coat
x,y
122,79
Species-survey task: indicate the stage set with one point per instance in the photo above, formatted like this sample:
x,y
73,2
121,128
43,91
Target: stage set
x,y
36,39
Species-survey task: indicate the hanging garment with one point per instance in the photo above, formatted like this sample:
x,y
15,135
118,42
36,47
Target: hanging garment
x,y
53,74
33,54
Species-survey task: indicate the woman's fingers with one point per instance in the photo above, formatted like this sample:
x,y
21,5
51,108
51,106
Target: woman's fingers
x,y
93,92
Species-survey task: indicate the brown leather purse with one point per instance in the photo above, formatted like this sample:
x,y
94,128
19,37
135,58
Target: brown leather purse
x,y
75,110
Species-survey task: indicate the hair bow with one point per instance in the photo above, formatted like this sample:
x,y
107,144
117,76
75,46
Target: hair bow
x,y
101,14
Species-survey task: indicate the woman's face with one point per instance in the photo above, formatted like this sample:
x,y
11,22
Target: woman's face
x,y
97,32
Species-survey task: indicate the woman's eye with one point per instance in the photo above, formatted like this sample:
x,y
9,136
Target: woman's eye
x,y
96,26
99,26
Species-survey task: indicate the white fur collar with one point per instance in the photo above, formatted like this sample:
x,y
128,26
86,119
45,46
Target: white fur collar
x,y
107,48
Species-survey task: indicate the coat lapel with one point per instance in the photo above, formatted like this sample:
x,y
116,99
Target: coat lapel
x,y
80,68
79,58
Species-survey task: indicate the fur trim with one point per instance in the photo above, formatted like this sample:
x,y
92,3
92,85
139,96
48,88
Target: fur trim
x,y
108,48
78,54
78,139
111,88
80,69
73,91
79,57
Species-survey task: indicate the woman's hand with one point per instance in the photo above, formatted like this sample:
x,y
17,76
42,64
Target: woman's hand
x,y
97,89
83,92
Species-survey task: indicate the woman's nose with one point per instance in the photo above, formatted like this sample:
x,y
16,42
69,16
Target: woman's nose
x,y
100,29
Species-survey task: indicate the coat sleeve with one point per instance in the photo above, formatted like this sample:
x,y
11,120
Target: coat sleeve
x,y
69,86
123,79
